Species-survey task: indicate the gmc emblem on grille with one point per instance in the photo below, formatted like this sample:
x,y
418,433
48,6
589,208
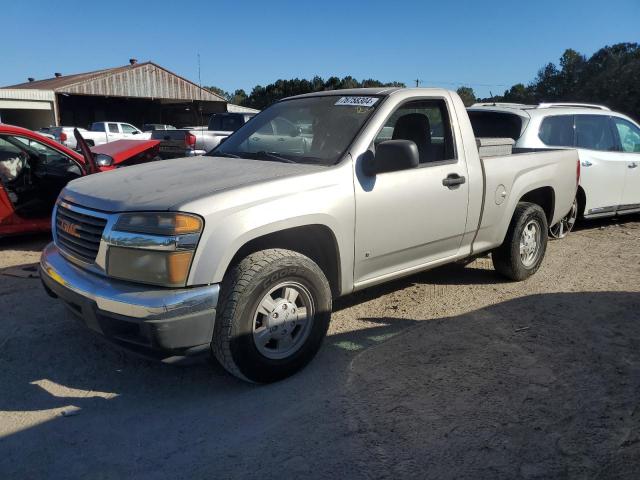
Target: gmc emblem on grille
x,y
70,228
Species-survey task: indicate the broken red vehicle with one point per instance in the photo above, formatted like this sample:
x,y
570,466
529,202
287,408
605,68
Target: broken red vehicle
x,y
34,169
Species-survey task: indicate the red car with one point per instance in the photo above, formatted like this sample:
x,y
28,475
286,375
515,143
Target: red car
x,y
34,169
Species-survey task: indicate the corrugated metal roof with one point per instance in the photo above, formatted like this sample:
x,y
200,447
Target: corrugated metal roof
x,y
21,94
144,80
232,107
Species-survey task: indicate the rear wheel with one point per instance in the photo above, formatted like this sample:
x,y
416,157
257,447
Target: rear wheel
x,y
523,249
564,226
274,312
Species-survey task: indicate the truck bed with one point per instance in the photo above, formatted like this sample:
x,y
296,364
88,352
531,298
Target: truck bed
x,y
555,169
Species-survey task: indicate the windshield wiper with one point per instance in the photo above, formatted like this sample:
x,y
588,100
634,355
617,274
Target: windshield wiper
x,y
222,154
272,156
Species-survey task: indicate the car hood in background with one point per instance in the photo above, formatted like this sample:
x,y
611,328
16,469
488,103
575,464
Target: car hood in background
x,y
122,150
167,184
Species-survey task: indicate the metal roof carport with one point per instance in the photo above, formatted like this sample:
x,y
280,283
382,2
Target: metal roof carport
x,y
27,108
137,93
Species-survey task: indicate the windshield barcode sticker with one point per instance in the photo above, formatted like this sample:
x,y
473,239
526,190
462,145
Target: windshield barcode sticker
x,y
357,101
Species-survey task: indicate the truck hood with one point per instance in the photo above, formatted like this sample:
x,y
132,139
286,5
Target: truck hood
x,y
167,184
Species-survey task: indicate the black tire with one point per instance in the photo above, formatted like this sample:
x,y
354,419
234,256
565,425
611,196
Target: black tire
x,y
242,290
506,258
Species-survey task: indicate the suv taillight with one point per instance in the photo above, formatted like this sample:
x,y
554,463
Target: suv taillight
x,y
63,137
190,141
578,172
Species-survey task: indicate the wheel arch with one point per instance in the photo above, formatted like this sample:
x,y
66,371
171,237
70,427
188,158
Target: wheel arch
x,y
316,241
582,201
545,197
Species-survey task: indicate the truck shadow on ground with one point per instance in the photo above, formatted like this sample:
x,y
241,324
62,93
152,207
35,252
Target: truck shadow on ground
x,y
545,384
25,243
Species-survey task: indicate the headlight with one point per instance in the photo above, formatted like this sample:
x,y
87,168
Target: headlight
x,y
103,160
154,248
162,223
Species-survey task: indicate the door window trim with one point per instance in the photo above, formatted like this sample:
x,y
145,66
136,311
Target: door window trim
x,y
454,138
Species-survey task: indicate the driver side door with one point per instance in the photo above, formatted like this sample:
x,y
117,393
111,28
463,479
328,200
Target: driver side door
x,y
408,219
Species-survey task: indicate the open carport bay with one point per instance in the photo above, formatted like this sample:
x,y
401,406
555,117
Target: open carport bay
x,y
452,373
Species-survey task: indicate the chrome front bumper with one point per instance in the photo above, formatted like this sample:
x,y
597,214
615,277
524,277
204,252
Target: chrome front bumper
x,y
161,319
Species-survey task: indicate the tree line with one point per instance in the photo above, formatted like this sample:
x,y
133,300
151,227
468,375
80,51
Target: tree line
x,y
610,77
261,97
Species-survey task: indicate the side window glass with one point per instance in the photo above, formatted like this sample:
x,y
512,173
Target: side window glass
x,y
113,128
629,135
266,129
426,123
284,127
12,159
557,131
594,132
128,128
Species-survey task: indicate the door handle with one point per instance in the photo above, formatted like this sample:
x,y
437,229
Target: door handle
x,y
632,165
586,163
453,180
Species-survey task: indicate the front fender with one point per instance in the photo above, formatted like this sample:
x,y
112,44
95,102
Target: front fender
x,y
327,203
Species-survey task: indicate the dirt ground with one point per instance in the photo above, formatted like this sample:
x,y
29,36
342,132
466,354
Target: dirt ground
x,y
453,373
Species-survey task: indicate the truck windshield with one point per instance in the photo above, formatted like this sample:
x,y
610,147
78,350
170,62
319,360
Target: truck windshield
x,y
315,130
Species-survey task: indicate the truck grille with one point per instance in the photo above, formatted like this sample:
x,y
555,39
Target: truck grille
x,y
79,234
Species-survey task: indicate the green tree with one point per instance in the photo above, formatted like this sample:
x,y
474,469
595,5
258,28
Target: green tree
x,y
467,95
218,91
261,97
609,77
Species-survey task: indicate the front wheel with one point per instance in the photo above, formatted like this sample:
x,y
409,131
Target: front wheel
x,y
273,314
566,224
523,249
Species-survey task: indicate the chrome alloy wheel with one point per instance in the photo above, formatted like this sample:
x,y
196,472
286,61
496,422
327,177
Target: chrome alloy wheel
x,y
564,226
530,241
283,320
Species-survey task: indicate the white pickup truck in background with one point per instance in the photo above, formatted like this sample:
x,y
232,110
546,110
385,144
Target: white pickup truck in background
x,y
105,132
101,132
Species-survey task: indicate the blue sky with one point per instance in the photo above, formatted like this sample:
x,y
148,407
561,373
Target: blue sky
x,y
488,45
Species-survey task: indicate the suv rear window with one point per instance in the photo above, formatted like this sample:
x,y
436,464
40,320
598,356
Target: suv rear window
x,y
496,124
557,131
226,123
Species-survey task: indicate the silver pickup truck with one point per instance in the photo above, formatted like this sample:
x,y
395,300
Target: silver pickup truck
x,y
192,141
241,252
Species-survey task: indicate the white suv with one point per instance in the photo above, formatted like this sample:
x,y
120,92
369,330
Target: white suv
x,y
608,145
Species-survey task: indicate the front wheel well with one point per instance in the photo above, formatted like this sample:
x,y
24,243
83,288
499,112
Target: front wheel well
x,y
543,196
314,241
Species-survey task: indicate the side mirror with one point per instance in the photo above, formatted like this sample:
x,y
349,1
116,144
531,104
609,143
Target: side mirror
x,y
135,132
391,156
295,132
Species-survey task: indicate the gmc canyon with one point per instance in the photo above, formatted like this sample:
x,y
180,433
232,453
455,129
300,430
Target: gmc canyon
x,y
241,252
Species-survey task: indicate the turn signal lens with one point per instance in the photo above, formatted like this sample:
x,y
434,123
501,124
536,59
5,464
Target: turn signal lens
x,y
178,264
187,224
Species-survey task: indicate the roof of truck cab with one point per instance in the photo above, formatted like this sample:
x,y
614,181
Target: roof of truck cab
x,y
377,91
